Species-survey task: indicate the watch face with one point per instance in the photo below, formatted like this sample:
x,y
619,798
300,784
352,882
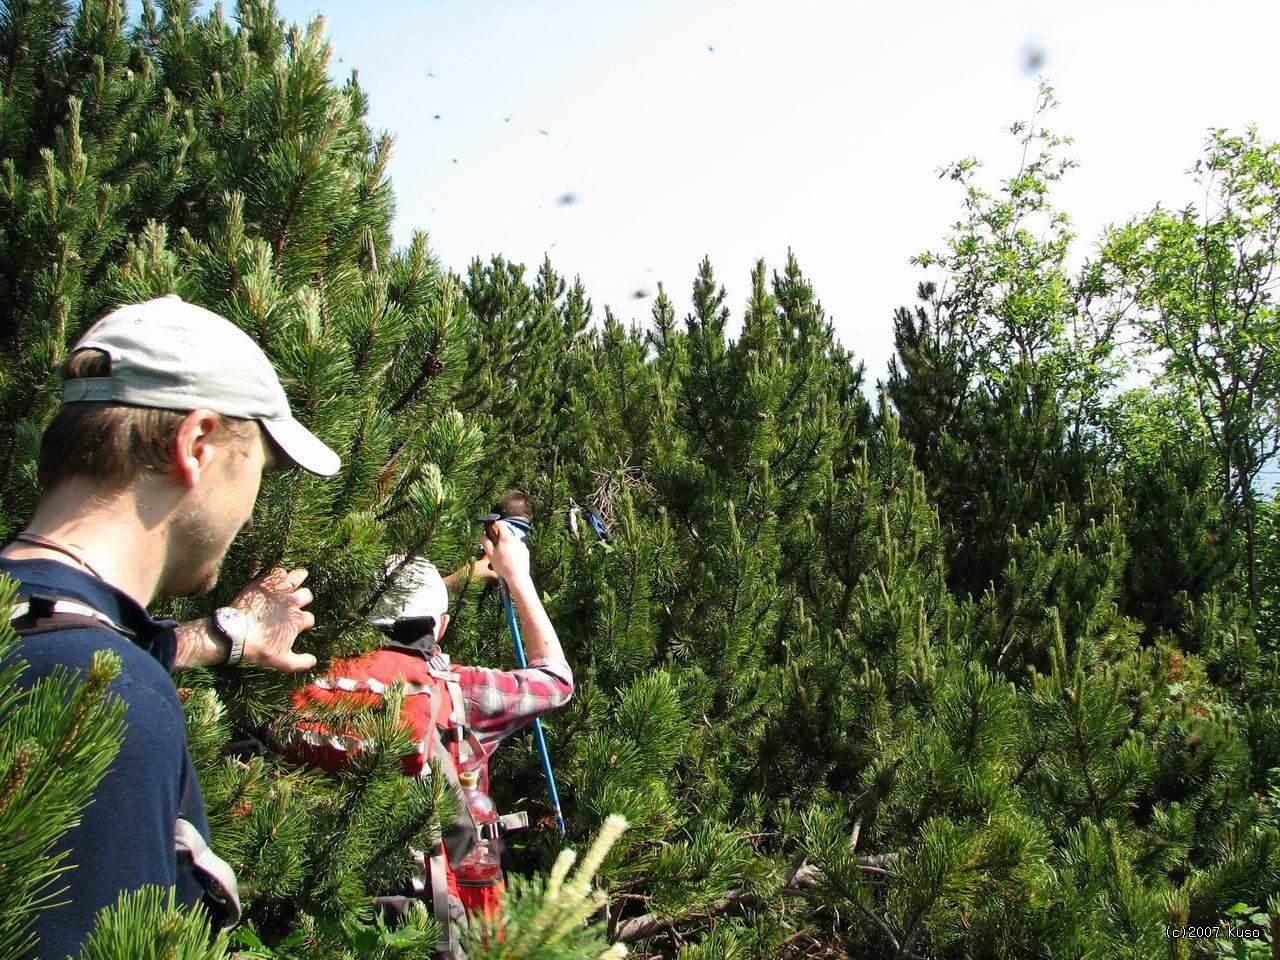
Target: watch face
x,y
231,620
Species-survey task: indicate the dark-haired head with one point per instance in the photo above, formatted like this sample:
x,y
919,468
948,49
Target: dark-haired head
x,y
514,503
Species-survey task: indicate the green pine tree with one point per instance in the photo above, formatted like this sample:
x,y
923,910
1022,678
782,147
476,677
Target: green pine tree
x,y
966,676
259,192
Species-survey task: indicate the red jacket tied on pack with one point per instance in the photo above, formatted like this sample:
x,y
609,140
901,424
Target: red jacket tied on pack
x,y
457,715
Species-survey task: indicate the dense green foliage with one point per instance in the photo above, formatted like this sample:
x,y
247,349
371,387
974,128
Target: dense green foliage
x,y
989,667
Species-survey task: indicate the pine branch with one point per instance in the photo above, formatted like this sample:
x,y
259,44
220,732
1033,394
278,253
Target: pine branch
x,y
424,374
804,879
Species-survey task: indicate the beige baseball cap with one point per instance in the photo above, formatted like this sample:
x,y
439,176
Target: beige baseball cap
x,y
172,355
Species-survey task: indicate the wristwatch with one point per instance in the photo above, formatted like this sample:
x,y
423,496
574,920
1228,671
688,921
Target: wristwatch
x,y
234,625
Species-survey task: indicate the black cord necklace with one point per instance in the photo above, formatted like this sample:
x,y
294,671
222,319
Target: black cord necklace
x,y
38,541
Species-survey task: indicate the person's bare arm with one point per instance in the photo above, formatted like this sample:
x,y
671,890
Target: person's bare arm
x,y
479,568
274,606
509,558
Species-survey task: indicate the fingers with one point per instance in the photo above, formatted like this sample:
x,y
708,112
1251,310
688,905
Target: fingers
x,y
296,662
303,596
290,580
273,581
282,579
492,555
286,661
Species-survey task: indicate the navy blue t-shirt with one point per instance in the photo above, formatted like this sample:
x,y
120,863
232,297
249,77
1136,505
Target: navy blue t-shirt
x,y
125,838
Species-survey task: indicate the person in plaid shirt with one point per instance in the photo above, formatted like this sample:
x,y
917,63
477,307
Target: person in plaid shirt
x,y
413,613
498,702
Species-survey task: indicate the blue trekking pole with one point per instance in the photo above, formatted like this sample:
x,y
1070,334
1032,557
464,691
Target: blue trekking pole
x,y
537,722
520,528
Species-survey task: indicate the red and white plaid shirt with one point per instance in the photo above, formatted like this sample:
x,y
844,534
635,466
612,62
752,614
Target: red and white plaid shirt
x,y
500,702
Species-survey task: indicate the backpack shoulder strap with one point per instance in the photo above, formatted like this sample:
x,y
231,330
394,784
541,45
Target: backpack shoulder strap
x,y
214,873
460,836
458,730
47,612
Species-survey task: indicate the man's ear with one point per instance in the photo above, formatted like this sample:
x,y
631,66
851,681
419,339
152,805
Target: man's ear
x,y
192,452
444,625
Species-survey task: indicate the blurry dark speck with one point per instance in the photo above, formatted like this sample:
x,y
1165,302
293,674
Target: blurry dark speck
x,y
506,119
567,198
431,75
435,116
641,294
455,159
544,133
1033,57
711,48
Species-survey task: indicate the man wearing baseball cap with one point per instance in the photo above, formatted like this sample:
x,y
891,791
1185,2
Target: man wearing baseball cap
x,y
170,416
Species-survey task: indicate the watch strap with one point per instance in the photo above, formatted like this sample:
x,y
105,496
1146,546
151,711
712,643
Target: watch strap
x,y
235,639
236,654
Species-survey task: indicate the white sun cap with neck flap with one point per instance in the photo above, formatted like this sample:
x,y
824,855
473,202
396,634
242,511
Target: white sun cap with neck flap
x,y
416,591
172,355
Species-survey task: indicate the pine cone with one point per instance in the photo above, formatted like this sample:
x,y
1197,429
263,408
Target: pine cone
x,y
435,366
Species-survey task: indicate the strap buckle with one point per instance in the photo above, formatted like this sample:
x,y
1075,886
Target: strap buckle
x,y
495,829
455,734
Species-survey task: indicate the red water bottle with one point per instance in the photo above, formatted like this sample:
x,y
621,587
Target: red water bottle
x,y
481,867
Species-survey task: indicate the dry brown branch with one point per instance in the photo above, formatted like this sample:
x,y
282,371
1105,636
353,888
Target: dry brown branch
x,y
805,878
610,484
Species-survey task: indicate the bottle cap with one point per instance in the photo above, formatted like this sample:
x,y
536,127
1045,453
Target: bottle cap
x,y
469,779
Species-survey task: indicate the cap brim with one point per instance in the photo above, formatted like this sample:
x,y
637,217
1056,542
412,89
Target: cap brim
x,y
303,447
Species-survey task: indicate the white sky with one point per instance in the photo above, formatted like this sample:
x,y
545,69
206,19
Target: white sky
x,y
815,126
